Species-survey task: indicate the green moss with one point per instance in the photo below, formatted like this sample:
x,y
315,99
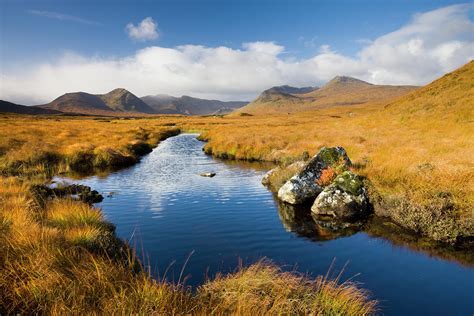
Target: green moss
x,y
349,182
329,155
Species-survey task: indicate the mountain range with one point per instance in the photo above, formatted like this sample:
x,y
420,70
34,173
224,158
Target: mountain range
x,y
340,91
115,102
166,104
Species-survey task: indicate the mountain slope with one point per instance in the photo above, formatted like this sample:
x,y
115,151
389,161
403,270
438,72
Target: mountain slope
x,y
186,105
8,107
116,102
340,91
451,96
78,102
125,101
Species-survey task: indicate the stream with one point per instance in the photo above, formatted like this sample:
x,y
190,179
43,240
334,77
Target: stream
x,y
170,213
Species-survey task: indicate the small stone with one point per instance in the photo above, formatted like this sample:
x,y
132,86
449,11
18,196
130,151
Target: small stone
x,y
208,174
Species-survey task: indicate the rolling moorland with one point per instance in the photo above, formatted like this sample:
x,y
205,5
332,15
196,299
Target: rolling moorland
x,y
415,149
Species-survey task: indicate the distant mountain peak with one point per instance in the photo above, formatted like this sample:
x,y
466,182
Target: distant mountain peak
x,y
346,80
119,91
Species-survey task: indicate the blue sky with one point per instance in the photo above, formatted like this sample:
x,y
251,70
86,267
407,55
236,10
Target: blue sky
x,y
39,35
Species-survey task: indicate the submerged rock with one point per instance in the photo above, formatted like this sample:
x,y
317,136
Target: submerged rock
x,y
345,199
208,174
303,186
297,219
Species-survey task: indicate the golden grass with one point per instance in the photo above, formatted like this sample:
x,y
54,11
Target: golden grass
x,y
34,145
61,269
263,289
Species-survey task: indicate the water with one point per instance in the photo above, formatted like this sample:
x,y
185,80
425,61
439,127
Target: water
x,y
169,212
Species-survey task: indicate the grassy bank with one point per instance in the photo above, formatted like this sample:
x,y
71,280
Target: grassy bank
x,y
50,145
60,256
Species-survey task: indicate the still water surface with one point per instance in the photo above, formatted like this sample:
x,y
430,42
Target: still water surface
x,y
168,212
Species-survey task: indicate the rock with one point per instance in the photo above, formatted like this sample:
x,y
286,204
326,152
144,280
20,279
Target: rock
x,y
345,199
81,192
303,187
267,178
208,174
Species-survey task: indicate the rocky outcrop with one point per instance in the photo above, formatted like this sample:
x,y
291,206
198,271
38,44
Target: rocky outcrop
x,y
345,199
304,186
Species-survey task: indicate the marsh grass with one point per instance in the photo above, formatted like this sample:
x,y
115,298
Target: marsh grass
x,y
264,289
48,147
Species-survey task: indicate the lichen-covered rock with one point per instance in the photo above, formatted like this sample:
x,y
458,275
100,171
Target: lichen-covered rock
x,y
345,199
303,186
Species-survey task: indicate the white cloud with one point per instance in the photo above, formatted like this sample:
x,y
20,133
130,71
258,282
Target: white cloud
x,y
62,17
430,45
146,30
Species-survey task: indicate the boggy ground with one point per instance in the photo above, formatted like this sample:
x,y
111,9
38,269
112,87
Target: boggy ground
x,y
59,255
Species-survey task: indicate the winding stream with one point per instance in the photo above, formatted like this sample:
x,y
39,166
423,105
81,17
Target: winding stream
x,y
169,212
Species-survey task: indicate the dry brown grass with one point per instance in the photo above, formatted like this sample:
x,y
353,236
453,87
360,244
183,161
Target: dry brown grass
x,y
41,145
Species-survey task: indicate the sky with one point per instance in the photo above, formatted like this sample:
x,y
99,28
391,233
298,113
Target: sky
x,y
229,50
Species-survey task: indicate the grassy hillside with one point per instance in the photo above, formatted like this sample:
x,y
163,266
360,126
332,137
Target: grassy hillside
x,y
340,91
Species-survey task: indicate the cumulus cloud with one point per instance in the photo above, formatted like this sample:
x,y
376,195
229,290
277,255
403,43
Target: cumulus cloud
x,y
430,45
145,31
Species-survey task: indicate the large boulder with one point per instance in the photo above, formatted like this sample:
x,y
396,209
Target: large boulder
x,y
345,199
303,186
